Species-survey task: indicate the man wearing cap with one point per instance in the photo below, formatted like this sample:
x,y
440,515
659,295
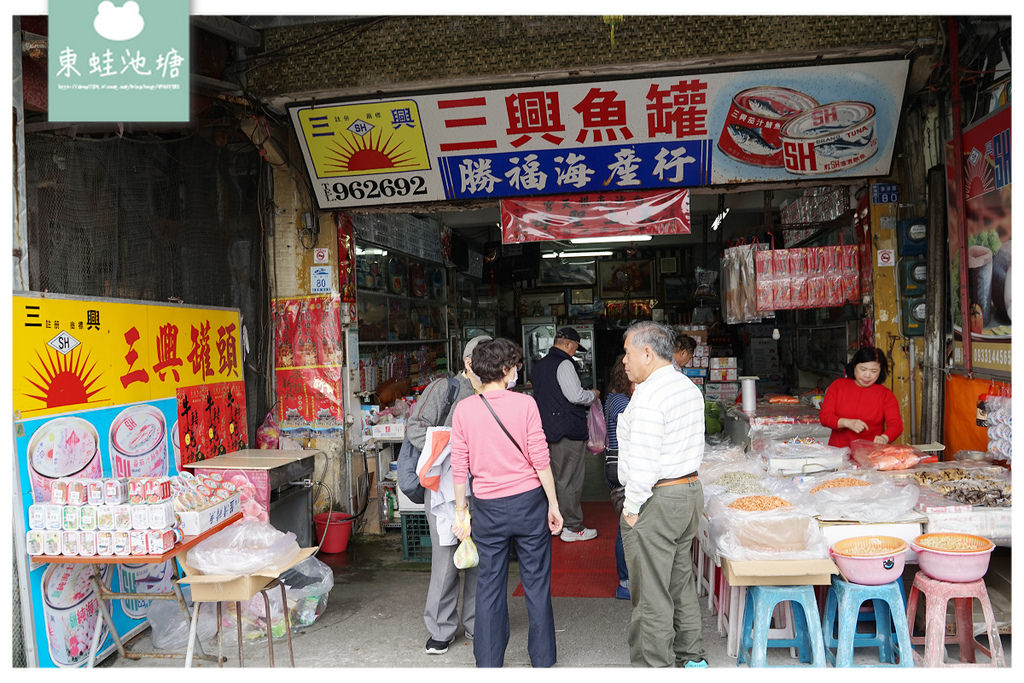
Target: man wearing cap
x,y
563,404
661,444
440,613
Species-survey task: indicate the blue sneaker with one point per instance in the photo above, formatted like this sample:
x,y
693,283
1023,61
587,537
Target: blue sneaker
x,y
621,593
702,664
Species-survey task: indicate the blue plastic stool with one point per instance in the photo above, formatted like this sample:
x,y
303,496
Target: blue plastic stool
x,y
842,613
757,617
867,614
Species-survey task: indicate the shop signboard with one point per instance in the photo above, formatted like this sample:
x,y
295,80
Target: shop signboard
x,y
95,395
679,131
598,215
988,230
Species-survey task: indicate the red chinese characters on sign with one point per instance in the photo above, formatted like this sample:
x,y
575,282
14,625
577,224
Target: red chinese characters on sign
x,y
462,113
133,375
595,215
534,113
680,109
603,114
200,354
167,352
226,345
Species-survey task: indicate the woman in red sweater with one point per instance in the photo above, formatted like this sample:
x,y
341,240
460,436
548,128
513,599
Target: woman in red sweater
x,y
858,406
499,439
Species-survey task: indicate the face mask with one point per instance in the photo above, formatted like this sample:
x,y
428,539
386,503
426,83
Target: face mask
x,y
512,383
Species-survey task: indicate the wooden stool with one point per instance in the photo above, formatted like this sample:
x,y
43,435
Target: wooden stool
x,y
937,595
238,621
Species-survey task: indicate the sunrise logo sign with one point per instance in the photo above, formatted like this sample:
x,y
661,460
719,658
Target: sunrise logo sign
x,y
118,61
366,138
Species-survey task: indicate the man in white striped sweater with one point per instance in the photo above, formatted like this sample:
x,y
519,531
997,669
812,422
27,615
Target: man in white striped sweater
x,y
661,443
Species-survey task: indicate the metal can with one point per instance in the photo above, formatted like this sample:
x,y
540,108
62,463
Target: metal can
x,y
830,138
143,578
71,611
64,447
138,443
753,125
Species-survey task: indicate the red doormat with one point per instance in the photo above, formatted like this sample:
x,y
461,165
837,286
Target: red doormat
x,y
586,569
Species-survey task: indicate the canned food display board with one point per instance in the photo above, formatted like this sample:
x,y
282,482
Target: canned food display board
x,y
95,396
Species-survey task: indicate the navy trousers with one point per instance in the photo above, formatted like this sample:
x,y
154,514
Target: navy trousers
x,y
496,524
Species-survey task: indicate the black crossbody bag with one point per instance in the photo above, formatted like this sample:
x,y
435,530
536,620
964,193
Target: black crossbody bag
x,y
507,433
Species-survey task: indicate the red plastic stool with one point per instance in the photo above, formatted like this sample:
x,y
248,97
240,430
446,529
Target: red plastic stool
x,y
937,595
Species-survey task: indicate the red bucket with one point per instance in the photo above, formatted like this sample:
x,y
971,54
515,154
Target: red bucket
x,y
339,530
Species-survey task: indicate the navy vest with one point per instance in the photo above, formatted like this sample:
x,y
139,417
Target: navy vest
x,y
561,418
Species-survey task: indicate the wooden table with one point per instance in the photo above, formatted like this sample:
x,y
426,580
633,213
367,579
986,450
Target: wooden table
x,y
106,594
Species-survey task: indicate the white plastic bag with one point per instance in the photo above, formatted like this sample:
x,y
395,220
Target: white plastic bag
x,y
170,627
880,501
245,547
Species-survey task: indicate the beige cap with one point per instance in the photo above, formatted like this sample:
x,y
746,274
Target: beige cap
x,y
471,344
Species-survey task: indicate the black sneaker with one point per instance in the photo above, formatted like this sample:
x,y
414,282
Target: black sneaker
x,y
436,647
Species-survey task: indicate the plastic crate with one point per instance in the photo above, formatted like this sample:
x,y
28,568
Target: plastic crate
x,y
415,537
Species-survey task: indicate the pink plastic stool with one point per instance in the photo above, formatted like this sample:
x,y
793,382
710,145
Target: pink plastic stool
x,y
937,595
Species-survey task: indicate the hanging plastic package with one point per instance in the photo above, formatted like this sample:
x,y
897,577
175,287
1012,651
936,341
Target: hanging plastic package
x,y
596,427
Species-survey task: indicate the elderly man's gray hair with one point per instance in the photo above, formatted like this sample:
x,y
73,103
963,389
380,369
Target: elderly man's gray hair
x,y
661,338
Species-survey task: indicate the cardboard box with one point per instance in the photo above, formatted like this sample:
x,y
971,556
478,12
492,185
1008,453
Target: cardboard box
x,y
779,572
723,374
195,522
726,391
730,362
389,430
405,504
228,588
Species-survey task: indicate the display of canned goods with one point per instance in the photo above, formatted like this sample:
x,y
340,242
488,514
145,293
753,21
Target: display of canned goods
x,y
87,543
37,516
76,492
829,138
54,516
140,516
104,543
121,546
115,491
59,493
122,517
137,542
94,492
69,543
34,544
70,518
52,542
87,518
105,517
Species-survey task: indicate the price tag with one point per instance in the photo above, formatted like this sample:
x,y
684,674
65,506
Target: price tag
x,y
320,255
886,258
320,280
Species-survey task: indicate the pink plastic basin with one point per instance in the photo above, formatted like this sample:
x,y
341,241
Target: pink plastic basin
x,y
870,560
957,566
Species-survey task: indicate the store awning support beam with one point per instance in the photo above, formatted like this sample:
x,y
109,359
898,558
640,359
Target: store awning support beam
x,y
932,375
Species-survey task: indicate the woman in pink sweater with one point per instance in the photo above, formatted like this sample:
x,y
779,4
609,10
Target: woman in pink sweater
x,y
858,406
498,438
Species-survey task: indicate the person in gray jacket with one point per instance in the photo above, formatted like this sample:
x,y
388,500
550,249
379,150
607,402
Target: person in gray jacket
x,y
441,611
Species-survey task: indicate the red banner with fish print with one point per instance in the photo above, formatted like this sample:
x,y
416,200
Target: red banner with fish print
x,y
611,214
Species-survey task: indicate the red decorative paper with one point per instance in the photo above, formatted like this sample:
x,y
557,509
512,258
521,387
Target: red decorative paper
x,y
211,421
307,331
595,215
309,392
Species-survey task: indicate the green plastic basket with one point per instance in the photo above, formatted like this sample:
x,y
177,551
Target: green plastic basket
x,y
415,537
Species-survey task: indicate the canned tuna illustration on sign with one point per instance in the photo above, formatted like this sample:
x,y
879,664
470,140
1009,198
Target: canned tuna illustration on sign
x,y
829,138
752,132
138,443
71,609
64,447
143,578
